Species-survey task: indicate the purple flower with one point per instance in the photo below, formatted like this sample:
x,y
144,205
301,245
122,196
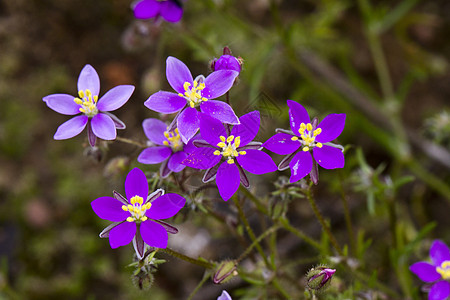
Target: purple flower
x,y
94,112
225,154
169,149
169,10
437,272
137,217
224,296
193,94
227,62
304,137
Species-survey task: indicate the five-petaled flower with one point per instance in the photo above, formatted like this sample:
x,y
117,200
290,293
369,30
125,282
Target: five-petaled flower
x,y
192,94
137,217
437,272
169,10
94,112
168,147
225,155
304,137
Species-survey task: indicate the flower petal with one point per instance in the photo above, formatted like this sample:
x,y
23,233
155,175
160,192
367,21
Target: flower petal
x,y
301,165
109,209
177,74
154,130
220,111
332,127
117,122
89,80
136,184
71,128
188,123
154,155
166,206
175,161
257,162
154,234
211,129
165,102
218,83
62,103
329,157
425,271
281,143
146,9
122,234
297,115
103,127
249,127
227,180
224,296
171,11
115,98
439,291
439,252
202,158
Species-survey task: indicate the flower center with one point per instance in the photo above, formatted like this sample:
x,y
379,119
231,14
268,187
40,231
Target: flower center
x,y
88,103
193,94
137,209
308,136
173,140
229,146
444,269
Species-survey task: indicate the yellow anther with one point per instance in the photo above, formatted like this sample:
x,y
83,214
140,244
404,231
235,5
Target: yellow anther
x,y
195,83
235,153
96,98
81,94
237,141
136,210
130,207
204,99
217,152
242,152
186,85
177,131
221,144
180,94
230,161
230,138
82,110
294,138
444,270
148,205
166,134
166,143
319,145
309,126
192,104
303,126
222,138
130,219
144,219
78,101
124,207
317,131
305,149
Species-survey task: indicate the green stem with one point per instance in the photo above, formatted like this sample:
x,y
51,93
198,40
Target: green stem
x,y
278,286
257,241
254,199
285,223
199,285
128,141
348,219
202,263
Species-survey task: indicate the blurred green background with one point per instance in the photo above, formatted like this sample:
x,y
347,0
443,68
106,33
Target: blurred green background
x,y
383,63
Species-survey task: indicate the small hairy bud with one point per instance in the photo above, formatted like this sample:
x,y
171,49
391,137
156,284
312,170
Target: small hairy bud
x,y
225,271
319,277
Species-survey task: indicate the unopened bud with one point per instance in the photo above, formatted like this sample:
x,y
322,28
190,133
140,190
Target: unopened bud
x,y
225,271
319,277
227,62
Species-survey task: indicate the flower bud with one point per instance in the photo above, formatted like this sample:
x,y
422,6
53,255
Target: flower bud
x,y
227,62
319,277
225,271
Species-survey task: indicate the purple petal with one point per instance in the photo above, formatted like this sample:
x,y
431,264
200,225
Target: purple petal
x,y
248,129
92,138
165,207
301,165
439,252
329,157
227,62
177,74
218,83
103,127
202,158
188,123
122,234
136,184
62,103
244,179
89,80
109,209
224,296
425,271
175,161
117,122
138,244
154,155
146,9
220,111
115,98
105,232
297,115
71,128
154,130
210,174
227,180
257,162
281,143
439,291
165,102
170,11
164,170
211,129
154,234
332,127
169,228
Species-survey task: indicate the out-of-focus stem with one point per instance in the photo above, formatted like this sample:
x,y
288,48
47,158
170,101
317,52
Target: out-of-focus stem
x,y
198,262
128,141
285,223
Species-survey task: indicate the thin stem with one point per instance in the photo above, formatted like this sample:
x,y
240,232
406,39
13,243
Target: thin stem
x,y
199,285
202,263
278,286
348,219
285,223
128,141
257,241
254,199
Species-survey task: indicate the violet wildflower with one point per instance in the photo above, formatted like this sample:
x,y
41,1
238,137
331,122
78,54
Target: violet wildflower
x,y
191,95
227,62
169,10
226,155
304,137
94,112
437,272
224,296
137,217
169,148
